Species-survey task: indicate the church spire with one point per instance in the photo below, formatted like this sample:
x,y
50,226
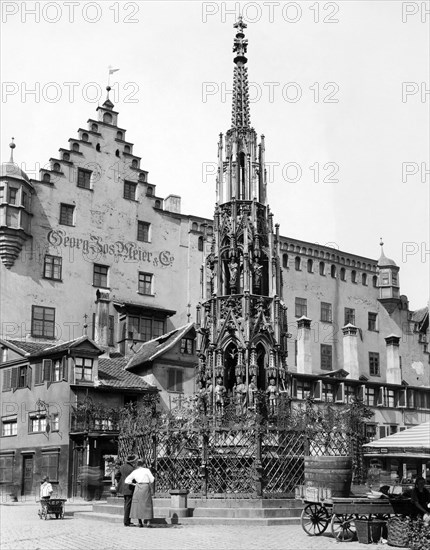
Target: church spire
x,y
240,108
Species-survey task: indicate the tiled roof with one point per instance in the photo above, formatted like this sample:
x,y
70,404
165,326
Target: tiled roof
x,y
420,314
30,347
66,345
154,348
112,374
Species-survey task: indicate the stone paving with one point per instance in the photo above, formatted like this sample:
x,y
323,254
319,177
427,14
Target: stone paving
x,y
21,529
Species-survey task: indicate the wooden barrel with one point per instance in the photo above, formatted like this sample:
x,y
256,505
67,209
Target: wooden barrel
x,y
334,472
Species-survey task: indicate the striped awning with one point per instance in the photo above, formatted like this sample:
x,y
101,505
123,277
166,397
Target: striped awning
x,y
413,440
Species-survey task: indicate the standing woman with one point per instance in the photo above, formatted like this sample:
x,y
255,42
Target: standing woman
x,y
141,505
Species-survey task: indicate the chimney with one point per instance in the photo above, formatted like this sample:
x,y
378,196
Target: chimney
x,y
101,322
304,355
172,203
394,374
350,351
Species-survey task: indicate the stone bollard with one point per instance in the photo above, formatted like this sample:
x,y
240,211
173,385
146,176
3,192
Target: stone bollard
x,y
178,504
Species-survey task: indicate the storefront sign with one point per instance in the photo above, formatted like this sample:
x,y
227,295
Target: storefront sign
x,y
94,246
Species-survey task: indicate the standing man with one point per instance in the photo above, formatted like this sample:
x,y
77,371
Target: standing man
x,y
124,488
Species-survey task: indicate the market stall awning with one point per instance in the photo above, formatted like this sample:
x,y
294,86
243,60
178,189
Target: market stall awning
x,y
413,441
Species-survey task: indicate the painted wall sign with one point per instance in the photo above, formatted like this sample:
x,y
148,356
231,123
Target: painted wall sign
x,y
94,246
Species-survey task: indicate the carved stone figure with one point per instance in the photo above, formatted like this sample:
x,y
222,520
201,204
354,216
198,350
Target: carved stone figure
x,y
257,268
232,266
272,392
220,392
239,392
252,388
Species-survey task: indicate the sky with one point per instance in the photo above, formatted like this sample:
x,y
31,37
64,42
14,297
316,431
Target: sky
x,y
339,89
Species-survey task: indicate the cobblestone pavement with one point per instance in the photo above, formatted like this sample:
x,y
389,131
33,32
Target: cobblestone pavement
x,y
22,529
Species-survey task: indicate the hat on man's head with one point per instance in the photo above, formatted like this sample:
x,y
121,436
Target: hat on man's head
x,y
131,458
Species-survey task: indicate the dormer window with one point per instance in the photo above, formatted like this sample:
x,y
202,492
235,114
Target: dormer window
x,y
84,136
94,127
75,147
107,118
142,177
83,369
127,149
157,204
150,191
47,178
57,167
119,135
134,163
66,156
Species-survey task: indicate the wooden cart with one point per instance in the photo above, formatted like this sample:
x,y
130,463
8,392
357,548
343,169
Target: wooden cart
x,y
341,513
53,506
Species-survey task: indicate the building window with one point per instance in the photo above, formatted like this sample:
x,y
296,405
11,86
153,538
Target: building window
x,y
144,328
36,423
51,370
2,192
98,148
127,149
130,190
194,226
9,425
83,369
13,192
100,276
322,268
52,267
350,394
107,118
390,398
370,398
301,307
364,279
326,357
145,283
134,163
187,345
94,127
56,167
326,314
119,135
67,212
6,469
371,430
42,322
84,178
200,244
85,136
303,389
3,355
297,263
55,422
49,466
150,192
353,276
394,278
349,316
385,278
285,261
175,380
374,363
16,377
342,274
310,266
24,200
333,271
47,178
372,319
143,231
157,204
375,281
75,147
142,177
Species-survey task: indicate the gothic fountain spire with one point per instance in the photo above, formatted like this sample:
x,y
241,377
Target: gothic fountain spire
x,y
240,107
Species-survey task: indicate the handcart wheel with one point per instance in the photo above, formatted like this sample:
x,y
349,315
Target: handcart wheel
x,y
343,527
314,519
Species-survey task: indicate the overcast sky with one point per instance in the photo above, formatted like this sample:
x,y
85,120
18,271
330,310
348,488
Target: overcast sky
x,y
336,86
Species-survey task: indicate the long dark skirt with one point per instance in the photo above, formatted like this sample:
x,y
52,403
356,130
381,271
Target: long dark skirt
x,y
141,505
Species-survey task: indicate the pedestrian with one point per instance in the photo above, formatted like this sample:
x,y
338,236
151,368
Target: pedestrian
x,y
141,506
125,489
420,498
46,489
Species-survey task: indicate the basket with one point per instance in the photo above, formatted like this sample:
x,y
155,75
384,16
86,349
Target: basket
x,y
398,529
369,531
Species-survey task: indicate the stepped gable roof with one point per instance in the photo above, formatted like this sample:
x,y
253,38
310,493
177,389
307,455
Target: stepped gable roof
x,y
112,374
156,347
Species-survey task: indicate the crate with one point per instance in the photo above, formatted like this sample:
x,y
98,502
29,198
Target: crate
x,y
313,494
369,531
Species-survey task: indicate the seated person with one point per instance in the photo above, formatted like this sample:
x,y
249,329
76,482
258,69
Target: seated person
x,y
420,497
